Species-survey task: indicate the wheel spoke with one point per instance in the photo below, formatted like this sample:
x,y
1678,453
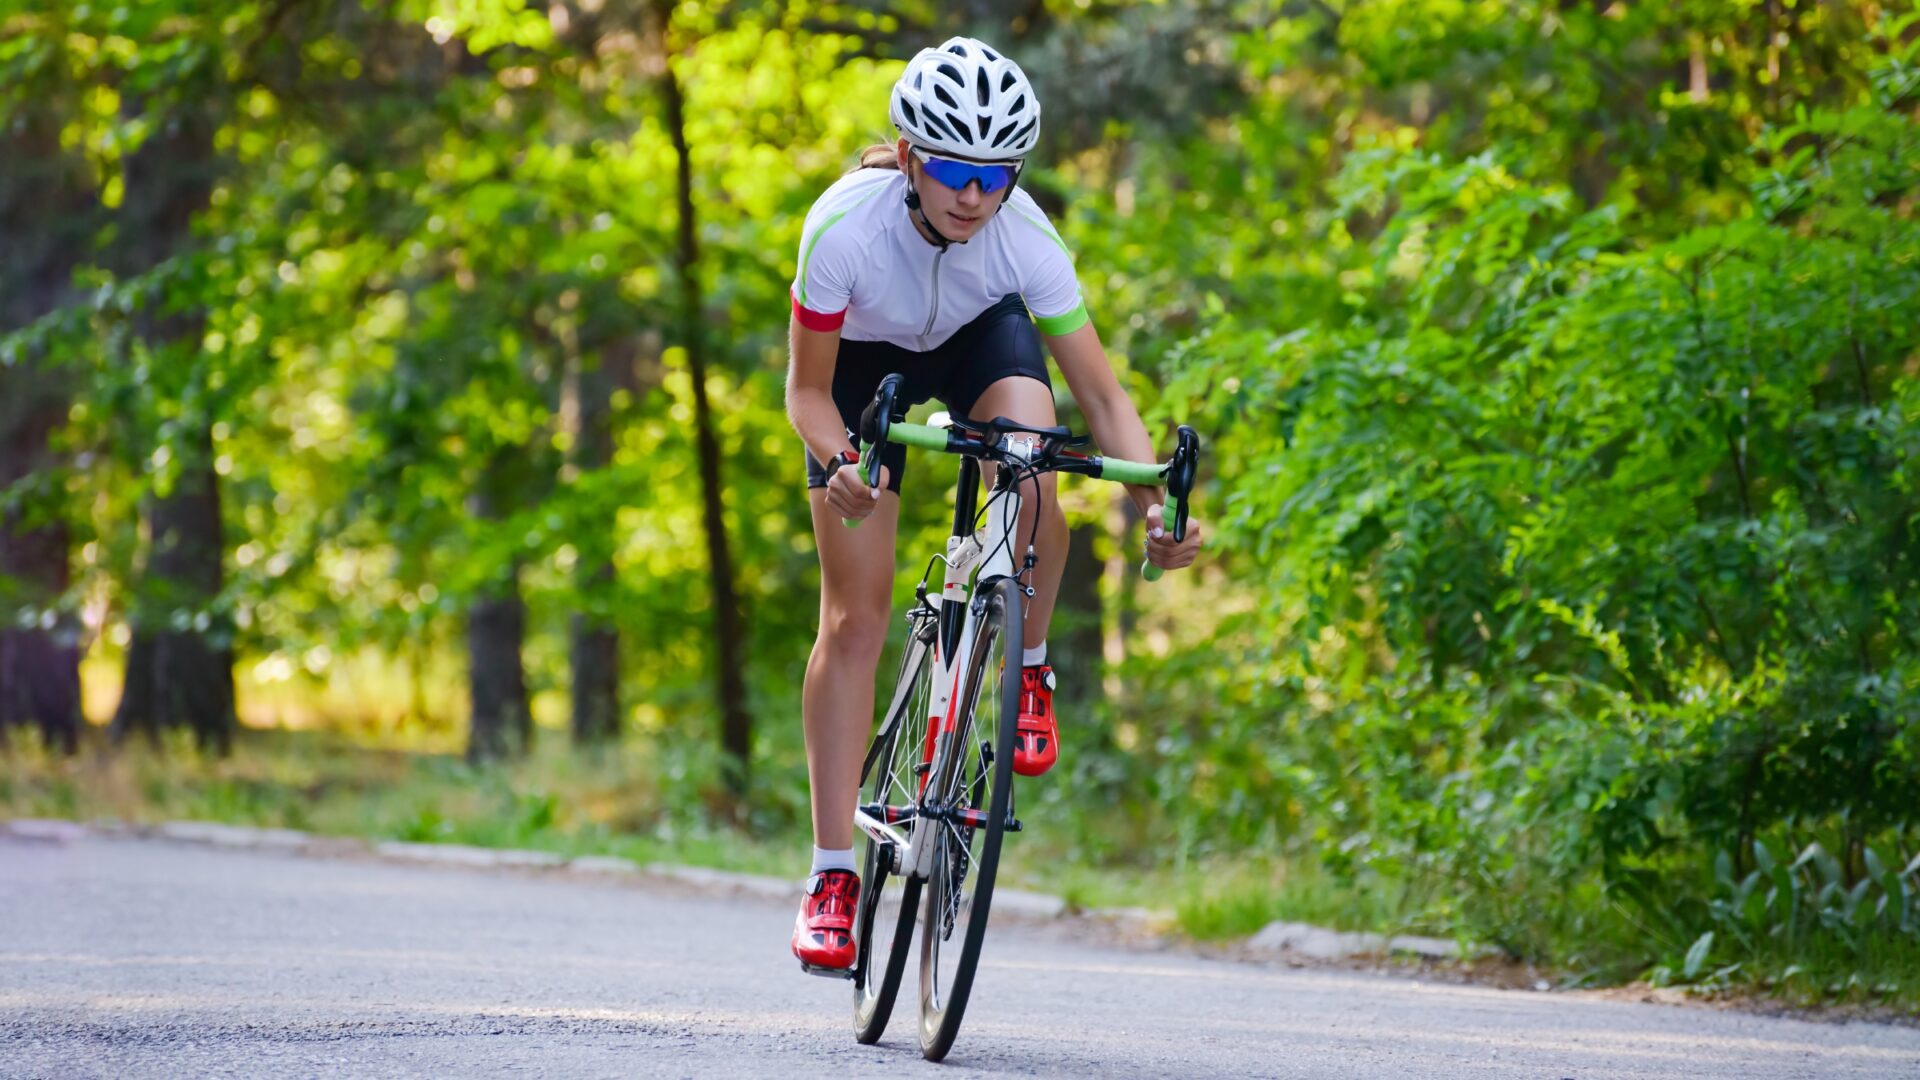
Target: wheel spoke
x,y
962,844
889,901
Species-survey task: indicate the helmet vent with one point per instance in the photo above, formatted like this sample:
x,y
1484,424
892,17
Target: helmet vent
x,y
963,98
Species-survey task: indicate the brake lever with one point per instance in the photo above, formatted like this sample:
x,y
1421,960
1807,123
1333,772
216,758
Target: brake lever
x,y
875,421
1180,477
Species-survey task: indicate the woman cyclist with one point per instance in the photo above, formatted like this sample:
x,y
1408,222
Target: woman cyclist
x,y
909,264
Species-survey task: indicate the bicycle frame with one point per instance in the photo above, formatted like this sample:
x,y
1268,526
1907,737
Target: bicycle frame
x,y
976,558
984,555
936,794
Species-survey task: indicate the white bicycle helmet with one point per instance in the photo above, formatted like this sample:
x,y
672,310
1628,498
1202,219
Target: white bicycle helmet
x,y
967,100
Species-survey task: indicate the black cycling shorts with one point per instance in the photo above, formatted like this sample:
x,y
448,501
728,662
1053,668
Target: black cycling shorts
x,y
1001,342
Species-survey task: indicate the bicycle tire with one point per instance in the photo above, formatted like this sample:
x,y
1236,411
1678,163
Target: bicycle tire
x,y
976,779
885,778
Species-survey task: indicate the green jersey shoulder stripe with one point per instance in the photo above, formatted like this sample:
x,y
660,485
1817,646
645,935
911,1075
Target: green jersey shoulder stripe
x,y
1055,325
1042,226
806,254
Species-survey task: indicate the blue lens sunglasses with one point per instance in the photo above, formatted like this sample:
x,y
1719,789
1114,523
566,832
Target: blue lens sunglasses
x,y
958,174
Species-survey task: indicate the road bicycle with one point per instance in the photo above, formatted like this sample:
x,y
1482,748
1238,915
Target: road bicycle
x,y
937,783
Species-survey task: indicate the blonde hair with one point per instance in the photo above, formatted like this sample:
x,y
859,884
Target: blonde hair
x,y
878,156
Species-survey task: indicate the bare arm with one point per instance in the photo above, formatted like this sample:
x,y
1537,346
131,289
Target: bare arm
x,y
1119,431
812,355
810,408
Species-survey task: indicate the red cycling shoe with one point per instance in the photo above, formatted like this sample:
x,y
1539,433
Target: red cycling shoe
x,y
1036,739
823,931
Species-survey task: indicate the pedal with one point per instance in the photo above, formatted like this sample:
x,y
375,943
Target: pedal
x,y
826,972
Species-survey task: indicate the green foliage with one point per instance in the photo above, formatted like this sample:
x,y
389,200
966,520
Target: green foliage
x,y
1596,555
1770,922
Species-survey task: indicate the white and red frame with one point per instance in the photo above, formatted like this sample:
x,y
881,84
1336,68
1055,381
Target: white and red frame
x,y
986,554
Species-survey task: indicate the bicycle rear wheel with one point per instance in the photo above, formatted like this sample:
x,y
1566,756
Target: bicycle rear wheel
x,y
883,924
974,786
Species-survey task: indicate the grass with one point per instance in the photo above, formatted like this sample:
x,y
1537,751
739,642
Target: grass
x,y
620,803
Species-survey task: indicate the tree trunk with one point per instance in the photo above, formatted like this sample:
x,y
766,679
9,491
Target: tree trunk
x,y
501,723
46,215
596,674
39,662
595,642
180,669
736,724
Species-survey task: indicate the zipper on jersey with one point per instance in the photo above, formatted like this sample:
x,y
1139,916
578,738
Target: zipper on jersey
x,y
933,308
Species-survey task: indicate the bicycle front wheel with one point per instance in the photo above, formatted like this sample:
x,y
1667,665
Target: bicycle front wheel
x,y
974,779
883,924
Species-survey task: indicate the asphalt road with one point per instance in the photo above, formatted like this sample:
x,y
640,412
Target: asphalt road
x,y
129,958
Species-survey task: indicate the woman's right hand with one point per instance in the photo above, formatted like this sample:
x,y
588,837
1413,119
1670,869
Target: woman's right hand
x,y
849,495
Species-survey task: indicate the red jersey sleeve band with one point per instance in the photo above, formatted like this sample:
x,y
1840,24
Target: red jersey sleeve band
x,y
814,320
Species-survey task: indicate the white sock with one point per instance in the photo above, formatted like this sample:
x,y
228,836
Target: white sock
x,y
1035,656
824,859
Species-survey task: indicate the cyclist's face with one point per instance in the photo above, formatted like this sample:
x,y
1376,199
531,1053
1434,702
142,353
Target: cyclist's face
x,y
957,215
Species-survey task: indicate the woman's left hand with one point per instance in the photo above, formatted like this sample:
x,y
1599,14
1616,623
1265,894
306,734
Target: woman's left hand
x,y
1162,551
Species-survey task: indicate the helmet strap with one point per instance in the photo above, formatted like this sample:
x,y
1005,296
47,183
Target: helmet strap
x,y
913,207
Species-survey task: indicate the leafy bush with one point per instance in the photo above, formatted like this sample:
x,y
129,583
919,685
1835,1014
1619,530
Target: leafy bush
x,y
1772,918
1586,556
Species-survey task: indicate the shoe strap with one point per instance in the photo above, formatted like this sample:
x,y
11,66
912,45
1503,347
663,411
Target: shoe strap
x,y
839,894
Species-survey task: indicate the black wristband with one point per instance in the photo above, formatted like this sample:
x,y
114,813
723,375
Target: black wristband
x,y
839,461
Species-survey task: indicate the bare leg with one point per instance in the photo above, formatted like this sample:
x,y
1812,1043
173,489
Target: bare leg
x,y
836,702
1030,401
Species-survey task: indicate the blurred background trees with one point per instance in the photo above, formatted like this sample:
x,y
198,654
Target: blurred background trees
x,y
412,371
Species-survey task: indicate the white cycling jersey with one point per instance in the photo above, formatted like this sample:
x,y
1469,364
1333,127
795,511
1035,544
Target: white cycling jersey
x,y
868,273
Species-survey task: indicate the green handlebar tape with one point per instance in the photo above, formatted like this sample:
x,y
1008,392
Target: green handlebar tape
x,y
1132,472
920,435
